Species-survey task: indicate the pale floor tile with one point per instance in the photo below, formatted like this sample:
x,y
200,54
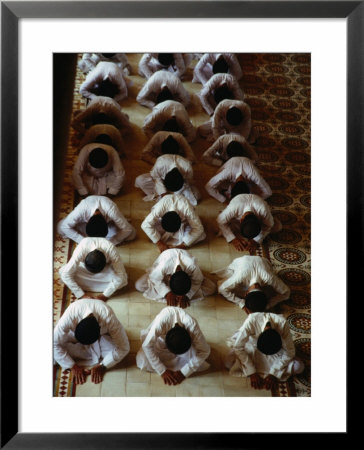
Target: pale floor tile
x,y
164,391
211,391
114,383
234,391
139,321
135,375
187,390
138,389
88,389
139,309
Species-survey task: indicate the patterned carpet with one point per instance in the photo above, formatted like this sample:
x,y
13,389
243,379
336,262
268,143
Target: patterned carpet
x,y
277,88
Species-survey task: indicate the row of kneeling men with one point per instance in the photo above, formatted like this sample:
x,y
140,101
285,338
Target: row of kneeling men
x,y
89,339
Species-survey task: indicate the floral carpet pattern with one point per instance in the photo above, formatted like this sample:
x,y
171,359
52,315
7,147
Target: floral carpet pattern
x,y
277,88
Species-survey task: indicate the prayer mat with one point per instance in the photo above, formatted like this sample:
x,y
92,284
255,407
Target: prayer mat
x,y
277,88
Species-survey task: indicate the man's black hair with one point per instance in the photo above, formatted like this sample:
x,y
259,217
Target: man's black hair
x,y
108,55
180,283
223,93
87,331
97,226
166,59
256,301
234,116
220,65
164,95
95,261
250,227
106,88
170,146
178,340
269,342
103,139
171,125
173,181
98,158
239,188
101,119
235,148
171,222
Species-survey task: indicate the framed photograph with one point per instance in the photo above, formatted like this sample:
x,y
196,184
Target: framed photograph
x,y
322,40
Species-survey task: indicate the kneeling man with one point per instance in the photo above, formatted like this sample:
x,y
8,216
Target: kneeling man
x,y
263,350
175,279
89,339
95,266
173,346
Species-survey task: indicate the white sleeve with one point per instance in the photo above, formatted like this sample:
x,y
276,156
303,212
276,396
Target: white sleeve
x,y
120,278
267,220
186,148
239,348
144,94
180,64
157,276
68,271
196,281
148,225
212,187
78,170
119,174
199,72
125,228
148,347
261,187
202,351
60,354
223,220
209,157
226,289
206,93
280,365
144,65
282,291
150,150
217,128
92,78
67,226
120,340
235,68
123,89
196,228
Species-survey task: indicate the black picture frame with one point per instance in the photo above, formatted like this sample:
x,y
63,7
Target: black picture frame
x,y
11,12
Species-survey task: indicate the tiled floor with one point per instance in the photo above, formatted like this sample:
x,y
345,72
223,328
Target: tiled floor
x,y
217,317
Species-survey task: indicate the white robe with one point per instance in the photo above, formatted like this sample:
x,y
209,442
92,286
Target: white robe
x,y
216,154
154,355
229,219
96,130
149,64
191,230
148,94
101,105
106,180
78,279
245,359
247,270
155,283
73,226
111,347
218,125
206,94
153,149
227,175
164,111
152,183
90,60
102,71
203,69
